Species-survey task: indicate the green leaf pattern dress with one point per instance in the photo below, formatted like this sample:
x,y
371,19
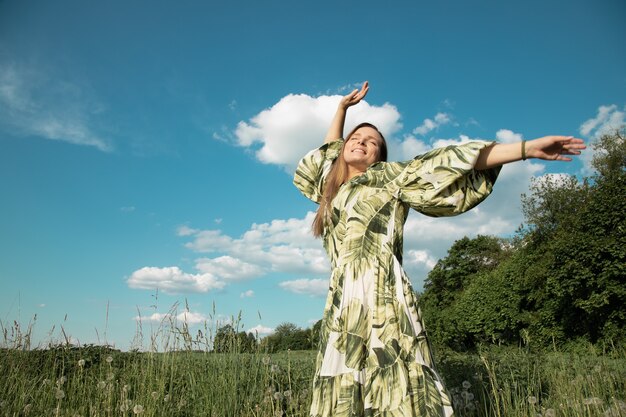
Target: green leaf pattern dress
x,y
374,358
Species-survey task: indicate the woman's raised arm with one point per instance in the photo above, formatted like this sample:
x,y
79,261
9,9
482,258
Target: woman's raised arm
x,y
552,148
335,131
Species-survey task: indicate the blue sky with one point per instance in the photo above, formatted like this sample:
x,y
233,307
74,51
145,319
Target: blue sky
x,y
150,145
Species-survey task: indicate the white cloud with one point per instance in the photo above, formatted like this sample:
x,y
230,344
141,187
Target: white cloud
x,y
420,257
296,124
188,317
34,104
185,231
608,119
279,246
260,329
173,280
247,294
313,287
228,268
428,125
508,136
127,209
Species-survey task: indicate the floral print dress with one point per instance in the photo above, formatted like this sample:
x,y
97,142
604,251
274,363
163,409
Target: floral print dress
x,y
374,358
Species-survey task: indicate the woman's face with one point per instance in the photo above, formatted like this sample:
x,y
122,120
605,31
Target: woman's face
x,y
362,149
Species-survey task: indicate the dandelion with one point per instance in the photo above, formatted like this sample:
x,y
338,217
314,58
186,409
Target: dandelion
x,y
274,368
532,400
470,407
154,395
469,396
125,388
102,384
138,409
81,362
27,408
278,396
166,398
109,359
125,405
466,384
46,382
59,394
550,412
61,380
266,360
278,413
287,394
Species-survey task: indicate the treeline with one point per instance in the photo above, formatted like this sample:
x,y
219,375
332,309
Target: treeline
x,y
560,280
286,336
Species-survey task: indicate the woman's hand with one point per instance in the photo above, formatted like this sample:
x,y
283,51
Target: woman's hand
x,y
355,96
335,131
554,148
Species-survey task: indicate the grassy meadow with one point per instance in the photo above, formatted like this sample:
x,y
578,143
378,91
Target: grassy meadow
x,y
189,380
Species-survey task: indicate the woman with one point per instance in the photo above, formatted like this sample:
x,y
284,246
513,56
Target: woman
x,y
374,358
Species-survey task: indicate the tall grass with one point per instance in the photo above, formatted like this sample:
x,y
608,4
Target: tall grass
x,y
187,379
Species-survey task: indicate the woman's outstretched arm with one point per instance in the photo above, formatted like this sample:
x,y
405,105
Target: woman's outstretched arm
x,y
552,148
335,131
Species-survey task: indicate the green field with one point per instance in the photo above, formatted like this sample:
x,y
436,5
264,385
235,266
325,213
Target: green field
x,y
98,381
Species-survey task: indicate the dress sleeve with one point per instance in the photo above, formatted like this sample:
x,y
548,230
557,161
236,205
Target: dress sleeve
x,y
312,170
443,182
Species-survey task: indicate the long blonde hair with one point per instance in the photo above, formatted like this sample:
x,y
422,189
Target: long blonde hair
x,y
337,175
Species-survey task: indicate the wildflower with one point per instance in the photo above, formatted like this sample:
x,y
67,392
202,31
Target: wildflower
x,y
470,407
110,376
125,388
166,398
138,409
61,380
154,395
278,413
265,360
27,408
109,359
278,396
59,394
287,394
532,400
469,396
125,405
466,384
81,362
46,382
102,384
550,412
275,368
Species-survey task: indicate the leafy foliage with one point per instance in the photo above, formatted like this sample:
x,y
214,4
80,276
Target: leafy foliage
x,y
560,281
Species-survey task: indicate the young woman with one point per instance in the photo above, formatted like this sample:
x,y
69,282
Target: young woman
x,y
374,358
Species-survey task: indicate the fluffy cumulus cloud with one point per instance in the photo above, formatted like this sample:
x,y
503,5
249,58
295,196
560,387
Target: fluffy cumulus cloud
x,y
313,287
428,125
260,330
298,122
173,280
247,294
35,104
279,246
607,120
188,317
